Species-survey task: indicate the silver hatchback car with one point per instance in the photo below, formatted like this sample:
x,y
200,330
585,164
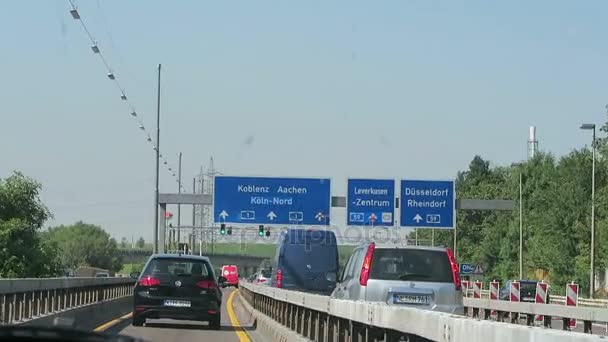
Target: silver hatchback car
x,y
421,277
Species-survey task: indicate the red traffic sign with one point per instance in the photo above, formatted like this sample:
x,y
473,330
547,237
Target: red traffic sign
x,y
373,218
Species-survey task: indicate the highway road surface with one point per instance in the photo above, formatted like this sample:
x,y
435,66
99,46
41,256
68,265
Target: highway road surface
x,y
236,326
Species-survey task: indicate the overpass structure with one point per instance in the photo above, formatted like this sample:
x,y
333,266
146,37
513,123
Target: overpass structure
x,y
247,264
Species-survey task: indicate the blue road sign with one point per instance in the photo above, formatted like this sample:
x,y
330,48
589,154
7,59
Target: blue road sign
x,y
467,268
428,204
370,202
263,200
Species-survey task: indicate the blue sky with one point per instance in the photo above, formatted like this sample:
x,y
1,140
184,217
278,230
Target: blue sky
x,y
316,89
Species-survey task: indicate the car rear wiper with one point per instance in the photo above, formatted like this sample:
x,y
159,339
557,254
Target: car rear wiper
x,y
407,276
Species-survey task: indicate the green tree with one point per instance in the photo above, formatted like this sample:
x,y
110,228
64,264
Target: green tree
x,y
141,243
23,251
86,244
123,242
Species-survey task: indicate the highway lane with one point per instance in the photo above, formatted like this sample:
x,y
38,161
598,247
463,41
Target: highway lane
x,y
235,326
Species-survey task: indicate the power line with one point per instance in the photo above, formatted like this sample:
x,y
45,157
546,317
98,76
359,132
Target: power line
x,y
123,94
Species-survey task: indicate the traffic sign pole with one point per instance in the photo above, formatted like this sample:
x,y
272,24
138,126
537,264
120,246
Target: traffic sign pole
x,y
455,249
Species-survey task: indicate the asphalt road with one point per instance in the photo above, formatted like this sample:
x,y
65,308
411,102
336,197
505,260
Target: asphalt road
x,y
236,326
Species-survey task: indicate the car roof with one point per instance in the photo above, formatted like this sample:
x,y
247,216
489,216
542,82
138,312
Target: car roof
x,y
179,256
396,246
297,231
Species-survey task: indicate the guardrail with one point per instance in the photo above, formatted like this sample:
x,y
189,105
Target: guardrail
x,y
22,300
320,318
504,308
556,299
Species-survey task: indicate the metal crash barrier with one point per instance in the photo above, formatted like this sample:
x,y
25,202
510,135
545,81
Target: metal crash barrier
x,y
320,318
22,300
482,308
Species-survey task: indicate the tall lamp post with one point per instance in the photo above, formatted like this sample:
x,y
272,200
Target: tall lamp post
x,y
157,149
591,126
521,221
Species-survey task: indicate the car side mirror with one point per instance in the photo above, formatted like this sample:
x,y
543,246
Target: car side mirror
x,y
134,275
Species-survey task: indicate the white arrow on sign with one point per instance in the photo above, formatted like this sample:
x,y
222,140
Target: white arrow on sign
x,y
417,218
223,214
320,217
271,215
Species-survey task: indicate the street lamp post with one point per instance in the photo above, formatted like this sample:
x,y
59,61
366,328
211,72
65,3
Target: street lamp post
x,y
157,148
521,227
179,191
591,127
521,222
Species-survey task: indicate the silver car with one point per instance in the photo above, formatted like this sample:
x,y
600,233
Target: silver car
x,y
421,277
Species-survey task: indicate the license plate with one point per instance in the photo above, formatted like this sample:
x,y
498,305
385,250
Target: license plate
x,y
177,303
410,299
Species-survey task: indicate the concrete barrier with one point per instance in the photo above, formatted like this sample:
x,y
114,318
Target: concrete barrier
x,y
270,328
321,318
27,300
87,317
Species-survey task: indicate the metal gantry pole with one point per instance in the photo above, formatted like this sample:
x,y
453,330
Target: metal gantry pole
x,y
194,205
521,227
155,247
592,273
179,191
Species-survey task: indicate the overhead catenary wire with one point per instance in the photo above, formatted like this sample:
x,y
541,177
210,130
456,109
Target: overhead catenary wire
x,y
122,91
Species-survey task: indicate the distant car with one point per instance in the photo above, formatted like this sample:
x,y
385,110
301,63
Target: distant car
x,y
102,275
231,273
527,291
421,277
306,260
182,287
262,277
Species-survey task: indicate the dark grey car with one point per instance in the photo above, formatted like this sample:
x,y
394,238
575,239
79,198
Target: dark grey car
x,y
421,277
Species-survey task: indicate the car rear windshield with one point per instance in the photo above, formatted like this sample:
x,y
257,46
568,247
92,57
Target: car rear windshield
x,y
266,273
179,268
528,287
314,249
411,265
230,269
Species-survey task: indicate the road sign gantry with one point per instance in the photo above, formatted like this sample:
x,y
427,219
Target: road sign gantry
x,y
428,204
370,202
266,200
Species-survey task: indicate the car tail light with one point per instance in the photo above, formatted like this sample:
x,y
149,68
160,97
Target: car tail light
x,y
455,269
367,264
279,278
207,284
261,280
149,281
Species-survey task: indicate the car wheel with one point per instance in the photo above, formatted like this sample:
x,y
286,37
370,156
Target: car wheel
x,y
138,321
215,322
